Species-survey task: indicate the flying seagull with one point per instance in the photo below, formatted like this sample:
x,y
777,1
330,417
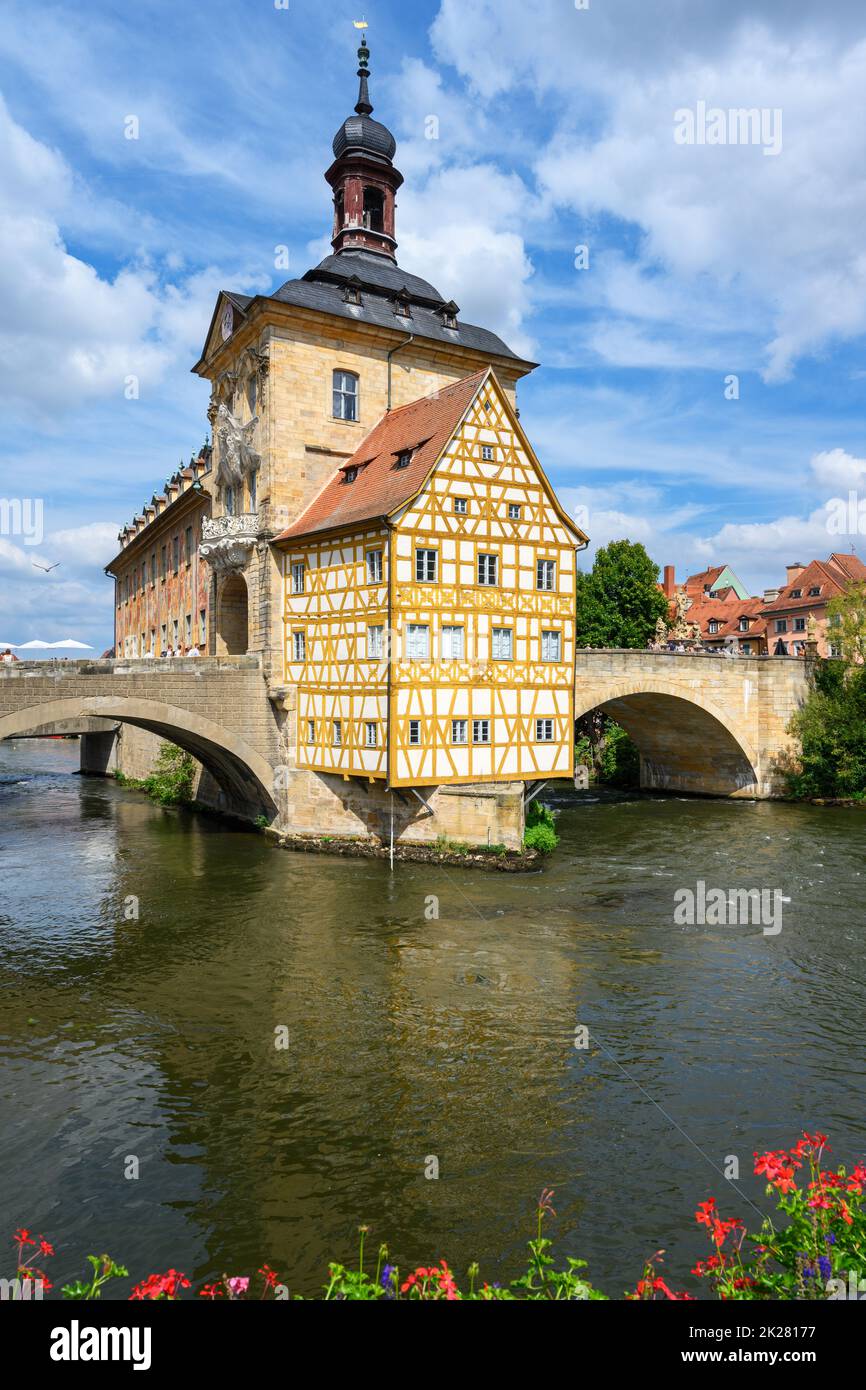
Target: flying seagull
x,y
46,569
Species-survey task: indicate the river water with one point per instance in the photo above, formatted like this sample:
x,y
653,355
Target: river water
x,y
409,1038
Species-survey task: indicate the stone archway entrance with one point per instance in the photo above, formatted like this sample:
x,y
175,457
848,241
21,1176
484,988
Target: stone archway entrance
x,y
232,631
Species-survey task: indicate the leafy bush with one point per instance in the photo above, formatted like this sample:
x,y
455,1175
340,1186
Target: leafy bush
x,y
583,752
171,781
619,765
540,832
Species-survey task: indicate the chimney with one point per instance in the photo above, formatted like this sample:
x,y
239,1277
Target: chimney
x,y
794,571
669,587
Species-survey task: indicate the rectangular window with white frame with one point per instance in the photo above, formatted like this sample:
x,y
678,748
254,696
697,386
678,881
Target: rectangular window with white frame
x,y
481,731
375,642
345,393
337,733
425,566
488,453
311,731
299,574
551,646
544,730
299,646
502,644
374,567
417,642
459,730
513,511
488,570
371,734
453,642
414,732
460,504
545,575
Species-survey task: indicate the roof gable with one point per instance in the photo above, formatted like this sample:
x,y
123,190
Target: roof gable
x,y
371,485
239,304
423,429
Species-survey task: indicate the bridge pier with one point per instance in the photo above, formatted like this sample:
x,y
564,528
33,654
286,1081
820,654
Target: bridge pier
x,y
98,753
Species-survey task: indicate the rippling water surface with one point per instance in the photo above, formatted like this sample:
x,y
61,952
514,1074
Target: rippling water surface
x,y
408,1037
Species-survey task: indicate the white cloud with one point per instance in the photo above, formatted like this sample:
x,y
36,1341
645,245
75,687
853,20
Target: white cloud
x,y
453,231
73,600
69,334
781,235
834,468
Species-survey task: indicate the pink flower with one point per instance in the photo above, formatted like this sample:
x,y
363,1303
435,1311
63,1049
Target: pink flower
x,y
238,1285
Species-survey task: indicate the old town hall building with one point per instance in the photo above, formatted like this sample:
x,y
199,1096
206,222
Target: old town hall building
x,y
370,518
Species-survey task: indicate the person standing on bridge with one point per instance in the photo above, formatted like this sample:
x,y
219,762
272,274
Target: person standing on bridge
x,y
9,656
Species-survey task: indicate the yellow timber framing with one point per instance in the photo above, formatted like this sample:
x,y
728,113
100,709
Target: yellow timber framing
x,y
338,680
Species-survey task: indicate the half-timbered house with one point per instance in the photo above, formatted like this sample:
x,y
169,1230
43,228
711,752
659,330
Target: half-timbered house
x,y
429,602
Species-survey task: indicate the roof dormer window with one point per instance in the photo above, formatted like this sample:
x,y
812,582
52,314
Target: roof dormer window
x,y
815,591
352,291
403,459
350,473
449,314
796,593
403,304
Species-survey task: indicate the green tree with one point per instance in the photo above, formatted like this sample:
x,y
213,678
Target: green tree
x,y
831,725
846,616
619,602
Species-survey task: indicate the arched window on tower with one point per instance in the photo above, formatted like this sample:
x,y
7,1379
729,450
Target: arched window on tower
x,y
338,208
373,209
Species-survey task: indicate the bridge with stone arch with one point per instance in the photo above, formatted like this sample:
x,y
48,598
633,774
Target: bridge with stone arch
x,y
710,725
703,724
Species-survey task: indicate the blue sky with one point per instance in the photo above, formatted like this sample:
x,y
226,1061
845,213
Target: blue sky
x,y
555,129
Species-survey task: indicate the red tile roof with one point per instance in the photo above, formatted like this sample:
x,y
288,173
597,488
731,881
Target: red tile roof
x,y
832,577
698,583
727,612
424,427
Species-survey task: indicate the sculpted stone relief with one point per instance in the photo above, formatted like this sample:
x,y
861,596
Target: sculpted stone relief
x,y
236,453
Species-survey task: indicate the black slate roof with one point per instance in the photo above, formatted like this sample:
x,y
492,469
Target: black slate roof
x,y
380,281
375,271
360,132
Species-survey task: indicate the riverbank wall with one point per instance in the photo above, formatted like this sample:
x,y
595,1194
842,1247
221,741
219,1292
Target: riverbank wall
x,y
315,805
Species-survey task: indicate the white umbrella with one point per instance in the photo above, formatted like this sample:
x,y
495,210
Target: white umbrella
x,y
36,645
71,642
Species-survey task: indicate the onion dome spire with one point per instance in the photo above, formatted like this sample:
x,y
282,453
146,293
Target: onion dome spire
x,y
363,176
363,105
